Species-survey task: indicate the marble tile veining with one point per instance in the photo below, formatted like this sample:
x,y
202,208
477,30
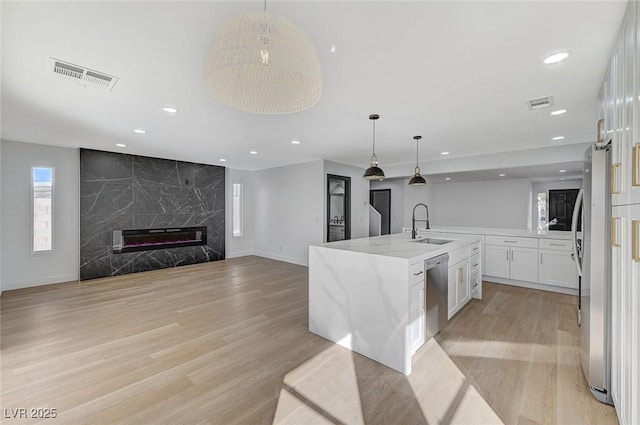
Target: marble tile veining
x,y
120,191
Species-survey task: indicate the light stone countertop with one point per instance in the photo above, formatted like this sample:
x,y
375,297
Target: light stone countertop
x,y
400,245
549,234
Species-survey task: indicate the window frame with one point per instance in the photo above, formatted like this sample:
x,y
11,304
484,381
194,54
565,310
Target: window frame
x,y
33,212
239,209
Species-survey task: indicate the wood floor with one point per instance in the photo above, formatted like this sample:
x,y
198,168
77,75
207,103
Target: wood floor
x,y
227,343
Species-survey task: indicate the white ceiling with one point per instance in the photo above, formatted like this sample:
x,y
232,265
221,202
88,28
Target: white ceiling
x,y
456,73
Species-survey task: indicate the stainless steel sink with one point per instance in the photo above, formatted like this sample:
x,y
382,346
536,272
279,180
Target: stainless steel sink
x,y
432,241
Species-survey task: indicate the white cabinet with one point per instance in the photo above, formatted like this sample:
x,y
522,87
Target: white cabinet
x,y
625,299
417,305
458,286
496,261
511,258
475,285
524,264
556,264
630,317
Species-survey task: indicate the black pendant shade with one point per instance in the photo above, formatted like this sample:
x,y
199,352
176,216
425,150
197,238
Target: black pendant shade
x,y
417,179
374,172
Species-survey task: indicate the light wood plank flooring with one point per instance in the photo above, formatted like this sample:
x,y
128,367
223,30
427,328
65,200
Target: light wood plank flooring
x,y
227,343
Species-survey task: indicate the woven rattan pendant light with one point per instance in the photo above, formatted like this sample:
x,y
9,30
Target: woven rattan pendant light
x,y
262,63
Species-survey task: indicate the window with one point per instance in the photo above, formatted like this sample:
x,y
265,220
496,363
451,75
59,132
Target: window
x,y
236,210
42,191
542,210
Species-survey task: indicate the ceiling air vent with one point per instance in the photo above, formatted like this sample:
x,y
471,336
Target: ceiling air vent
x,y
539,103
81,75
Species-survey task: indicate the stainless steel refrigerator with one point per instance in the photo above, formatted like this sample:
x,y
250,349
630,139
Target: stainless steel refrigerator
x,y
593,259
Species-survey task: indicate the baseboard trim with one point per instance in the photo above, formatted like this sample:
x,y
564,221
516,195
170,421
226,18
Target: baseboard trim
x,y
284,258
531,285
30,283
239,254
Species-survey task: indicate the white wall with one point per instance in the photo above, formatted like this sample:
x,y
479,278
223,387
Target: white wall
x,y
0,218
239,246
398,188
419,194
359,197
491,203
20,267
288,211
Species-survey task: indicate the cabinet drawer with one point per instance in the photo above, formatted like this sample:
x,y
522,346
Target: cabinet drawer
x,y
474,264
458,254
475,248
474,283
417,271
509,241
556,244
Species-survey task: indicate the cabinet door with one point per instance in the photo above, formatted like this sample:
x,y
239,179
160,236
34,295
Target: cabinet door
x,y
453,291
496,261
416,316
627,102
619,248
557,268
524,264
475,285
634,145
463,283
630,318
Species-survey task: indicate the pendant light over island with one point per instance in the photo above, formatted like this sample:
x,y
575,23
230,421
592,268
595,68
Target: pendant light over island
x,y
374,172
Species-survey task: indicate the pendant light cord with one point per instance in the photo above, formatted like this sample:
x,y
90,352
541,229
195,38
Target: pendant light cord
x,y
416,153
265,5
374,137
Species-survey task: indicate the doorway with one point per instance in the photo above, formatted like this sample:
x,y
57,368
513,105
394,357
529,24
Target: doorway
x,y
338,208
380,199
561,203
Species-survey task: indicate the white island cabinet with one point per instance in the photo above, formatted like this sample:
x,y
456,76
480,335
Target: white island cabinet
x,y
528,258
369,294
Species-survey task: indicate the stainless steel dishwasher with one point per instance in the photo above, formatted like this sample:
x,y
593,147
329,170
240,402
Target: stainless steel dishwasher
x,y
437,293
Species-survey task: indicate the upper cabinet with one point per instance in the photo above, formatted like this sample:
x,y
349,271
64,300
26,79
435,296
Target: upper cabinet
x,y
618,106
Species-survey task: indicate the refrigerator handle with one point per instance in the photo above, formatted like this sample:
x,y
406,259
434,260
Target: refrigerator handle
x,y
576,254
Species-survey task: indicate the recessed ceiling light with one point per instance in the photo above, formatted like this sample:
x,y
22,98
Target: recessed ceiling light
x,y
557,138
332,49
502,174
253,152
121,145
444,153
556,58
295,142
222,160
562,178
562,171
558,112
139,130
170,109
448,178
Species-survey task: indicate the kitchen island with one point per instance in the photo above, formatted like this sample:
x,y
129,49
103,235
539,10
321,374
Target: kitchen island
x,y
368,294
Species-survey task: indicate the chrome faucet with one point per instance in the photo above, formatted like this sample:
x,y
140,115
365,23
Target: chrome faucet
x,y
413,220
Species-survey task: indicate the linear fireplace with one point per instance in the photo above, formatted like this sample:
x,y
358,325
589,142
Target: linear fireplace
x,y
147,239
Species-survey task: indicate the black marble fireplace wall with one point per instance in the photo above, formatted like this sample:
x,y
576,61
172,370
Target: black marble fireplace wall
x,y
119,191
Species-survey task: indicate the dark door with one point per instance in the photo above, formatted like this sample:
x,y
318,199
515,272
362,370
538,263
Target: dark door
x,y
561,203
380,199
338,208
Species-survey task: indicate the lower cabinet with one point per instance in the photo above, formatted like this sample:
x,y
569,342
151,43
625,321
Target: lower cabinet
x,y
557,268
524,264
511,262
625,318
458,286
417,312
475,285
